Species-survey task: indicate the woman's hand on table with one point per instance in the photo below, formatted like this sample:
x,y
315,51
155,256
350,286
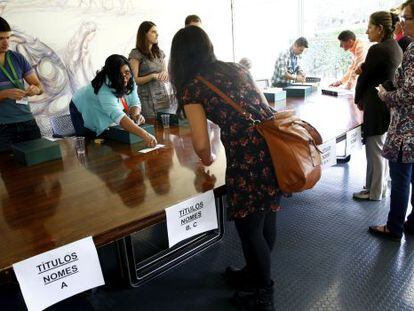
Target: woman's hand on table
x,y
150,140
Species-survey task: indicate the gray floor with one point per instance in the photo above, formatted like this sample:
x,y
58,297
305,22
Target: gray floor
x,y
324,259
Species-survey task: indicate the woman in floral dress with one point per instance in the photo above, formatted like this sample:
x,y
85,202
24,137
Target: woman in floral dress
x,y
252,191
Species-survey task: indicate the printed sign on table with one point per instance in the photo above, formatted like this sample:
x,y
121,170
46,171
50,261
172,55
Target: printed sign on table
x,y
353,140
328,153
55,275
191,217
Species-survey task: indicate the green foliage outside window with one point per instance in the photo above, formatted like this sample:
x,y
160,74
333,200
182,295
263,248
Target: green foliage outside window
x,y
325,58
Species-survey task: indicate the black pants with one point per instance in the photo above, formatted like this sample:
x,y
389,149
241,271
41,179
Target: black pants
x,y
17,132
78,123
257,233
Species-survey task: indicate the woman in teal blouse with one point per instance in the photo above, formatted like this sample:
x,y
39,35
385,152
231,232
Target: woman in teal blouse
x,y
98,105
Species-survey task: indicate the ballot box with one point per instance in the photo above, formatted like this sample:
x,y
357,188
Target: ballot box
x,y
330,92
314,86
336,91
298,91
312,79
276,97
263,84
117,133
36,151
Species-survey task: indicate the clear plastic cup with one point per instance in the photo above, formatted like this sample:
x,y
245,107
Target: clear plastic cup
x,y
80,145
165,118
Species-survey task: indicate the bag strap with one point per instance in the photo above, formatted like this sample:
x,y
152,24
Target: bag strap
x,y
247,115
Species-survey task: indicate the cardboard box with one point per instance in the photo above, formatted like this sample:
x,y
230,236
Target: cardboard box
x,y
275,94
298,91
36,151
117,133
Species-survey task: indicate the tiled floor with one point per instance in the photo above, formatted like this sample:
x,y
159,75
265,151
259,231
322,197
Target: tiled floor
x,y
324,259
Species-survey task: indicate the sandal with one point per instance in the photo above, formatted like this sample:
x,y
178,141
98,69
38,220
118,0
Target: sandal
x,y
384,232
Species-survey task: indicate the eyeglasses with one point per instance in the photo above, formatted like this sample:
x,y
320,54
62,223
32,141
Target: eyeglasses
x,y
126,74
406,18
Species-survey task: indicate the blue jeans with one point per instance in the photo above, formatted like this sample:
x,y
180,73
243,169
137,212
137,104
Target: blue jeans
x,y
402,175
78,123
17,132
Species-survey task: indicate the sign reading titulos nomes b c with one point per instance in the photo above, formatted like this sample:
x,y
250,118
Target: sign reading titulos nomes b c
x,y
191,217
58,274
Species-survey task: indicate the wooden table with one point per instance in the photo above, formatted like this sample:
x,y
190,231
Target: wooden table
x,y
332,116
109,194
115,190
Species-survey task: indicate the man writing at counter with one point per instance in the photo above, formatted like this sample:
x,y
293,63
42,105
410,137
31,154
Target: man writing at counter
x,y
287,67
358,49
16,120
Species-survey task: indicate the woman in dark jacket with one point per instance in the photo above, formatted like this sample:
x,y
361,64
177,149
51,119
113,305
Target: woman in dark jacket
x,y
380,64
399,147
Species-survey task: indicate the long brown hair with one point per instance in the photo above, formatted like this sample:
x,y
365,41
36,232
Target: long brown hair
x,y
142,43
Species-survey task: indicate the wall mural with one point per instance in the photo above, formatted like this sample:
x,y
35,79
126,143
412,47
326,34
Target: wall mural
x,y
67,41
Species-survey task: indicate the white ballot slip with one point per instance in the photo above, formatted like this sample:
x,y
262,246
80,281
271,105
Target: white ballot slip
x,y
146,150
48,278
191,217
328,153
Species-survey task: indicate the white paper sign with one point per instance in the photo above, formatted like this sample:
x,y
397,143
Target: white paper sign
x,y
55,275
328,153
191,217
353,140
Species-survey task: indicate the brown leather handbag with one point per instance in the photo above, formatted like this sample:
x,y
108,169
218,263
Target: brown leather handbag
x,y
292,143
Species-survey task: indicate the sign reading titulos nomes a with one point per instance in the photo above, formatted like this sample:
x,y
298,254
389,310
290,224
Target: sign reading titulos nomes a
x,y
58,274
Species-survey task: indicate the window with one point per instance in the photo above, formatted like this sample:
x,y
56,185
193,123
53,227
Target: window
x,y
324,20
262,29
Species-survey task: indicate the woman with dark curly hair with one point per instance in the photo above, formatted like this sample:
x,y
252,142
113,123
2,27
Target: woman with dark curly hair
x,y
98,105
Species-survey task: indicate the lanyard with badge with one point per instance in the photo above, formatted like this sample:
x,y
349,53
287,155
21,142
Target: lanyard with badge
x,y
15,80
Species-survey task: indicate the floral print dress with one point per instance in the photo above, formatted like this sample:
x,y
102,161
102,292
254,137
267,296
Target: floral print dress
x,y
250,178
401,105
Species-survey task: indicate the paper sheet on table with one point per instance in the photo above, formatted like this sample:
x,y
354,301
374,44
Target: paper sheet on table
x,y
146,150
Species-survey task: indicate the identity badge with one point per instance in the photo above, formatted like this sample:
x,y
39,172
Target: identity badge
x,y
23,101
